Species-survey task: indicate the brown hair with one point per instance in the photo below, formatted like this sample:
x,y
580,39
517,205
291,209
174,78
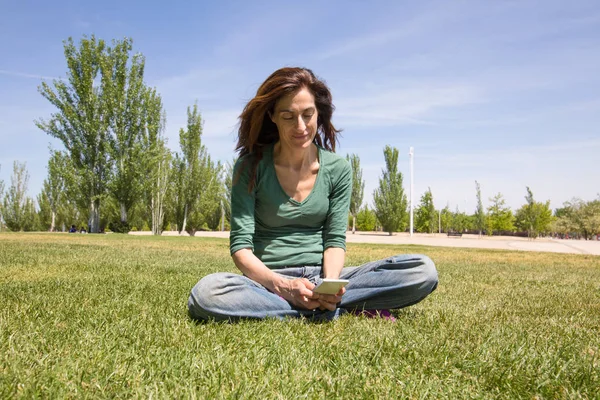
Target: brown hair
x,y
256,128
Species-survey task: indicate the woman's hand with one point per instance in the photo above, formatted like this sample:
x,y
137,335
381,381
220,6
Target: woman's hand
x,y
299,293
330,301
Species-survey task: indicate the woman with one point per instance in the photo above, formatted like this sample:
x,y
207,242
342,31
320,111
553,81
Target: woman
x,y
289,211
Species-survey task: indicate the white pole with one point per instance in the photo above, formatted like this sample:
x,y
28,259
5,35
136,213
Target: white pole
x,y
411,153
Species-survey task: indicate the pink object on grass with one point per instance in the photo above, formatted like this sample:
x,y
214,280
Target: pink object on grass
x,y
384,314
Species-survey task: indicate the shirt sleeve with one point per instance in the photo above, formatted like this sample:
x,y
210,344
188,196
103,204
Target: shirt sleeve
x,y
334,234
242,208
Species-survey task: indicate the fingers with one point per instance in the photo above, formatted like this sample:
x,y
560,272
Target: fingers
x,y
327,305
307,283
331,298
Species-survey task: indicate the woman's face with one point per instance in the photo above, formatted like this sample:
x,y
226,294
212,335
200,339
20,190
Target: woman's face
x,y
296,118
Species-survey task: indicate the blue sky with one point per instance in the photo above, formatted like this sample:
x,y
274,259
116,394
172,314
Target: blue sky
x,y
503,92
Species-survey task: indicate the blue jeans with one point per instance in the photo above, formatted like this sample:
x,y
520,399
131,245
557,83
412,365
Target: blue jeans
x,y
394,282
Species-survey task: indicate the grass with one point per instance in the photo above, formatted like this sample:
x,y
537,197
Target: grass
x,y
90,316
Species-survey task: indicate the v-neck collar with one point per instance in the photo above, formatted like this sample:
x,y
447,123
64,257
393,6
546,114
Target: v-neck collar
x,y
283,192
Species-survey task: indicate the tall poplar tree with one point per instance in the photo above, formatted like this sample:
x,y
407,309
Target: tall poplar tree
x,y
427,219
188,166
125,91
16,205
534,217
1,196
54,185
499,215
358,187
156,160
479,211
82,120
389,198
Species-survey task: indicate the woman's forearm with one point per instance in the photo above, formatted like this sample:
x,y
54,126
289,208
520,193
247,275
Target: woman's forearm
x,y
254,269
333,262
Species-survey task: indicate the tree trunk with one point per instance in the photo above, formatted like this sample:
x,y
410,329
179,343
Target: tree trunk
x,y
185,210
123,213
52,228
95,216
222,217
353,224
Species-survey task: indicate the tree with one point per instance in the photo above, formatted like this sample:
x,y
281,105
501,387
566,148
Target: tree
x,y
446,219
390,200
206,206
534,217
213,193
129,99
366,219
579,216
1,196
228,183
460,221
358,187
187,166
16,205
83,118
54,185
157,160
480,217
427,218
45,212
500,217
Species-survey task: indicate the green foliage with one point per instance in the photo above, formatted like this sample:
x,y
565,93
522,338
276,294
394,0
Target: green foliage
x,y
127,95
500,217
578,216
534,217
460,222
83,117
480,217
156,162
104,316
228,183
17,207
358,187
198,182
426,215
366,220
188,168
119,226
389,198
1,205
447,219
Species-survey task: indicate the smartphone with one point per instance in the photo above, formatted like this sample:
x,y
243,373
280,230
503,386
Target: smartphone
x,y
330,286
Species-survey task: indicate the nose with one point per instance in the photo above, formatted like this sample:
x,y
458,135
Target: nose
x,y
300,125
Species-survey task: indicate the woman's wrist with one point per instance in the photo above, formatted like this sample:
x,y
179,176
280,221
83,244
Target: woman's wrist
x,y
278,284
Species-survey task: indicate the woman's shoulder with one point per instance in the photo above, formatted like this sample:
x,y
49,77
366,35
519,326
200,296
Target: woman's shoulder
x,y
333,161
248,159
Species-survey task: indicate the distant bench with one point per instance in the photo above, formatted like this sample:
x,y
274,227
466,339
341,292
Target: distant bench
x,y
456,234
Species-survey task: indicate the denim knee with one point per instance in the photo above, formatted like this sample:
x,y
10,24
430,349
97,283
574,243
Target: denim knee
x,y
200,302
430,275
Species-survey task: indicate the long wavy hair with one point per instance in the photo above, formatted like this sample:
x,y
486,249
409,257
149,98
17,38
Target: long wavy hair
x,y
258,131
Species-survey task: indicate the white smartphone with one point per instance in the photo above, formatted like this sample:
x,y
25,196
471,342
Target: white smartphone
x,y
330,286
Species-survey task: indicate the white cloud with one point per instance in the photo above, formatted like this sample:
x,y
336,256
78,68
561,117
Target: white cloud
x,y
27,75
408,28
415,104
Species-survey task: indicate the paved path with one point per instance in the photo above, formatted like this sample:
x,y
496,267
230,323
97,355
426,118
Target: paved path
x,y
473,241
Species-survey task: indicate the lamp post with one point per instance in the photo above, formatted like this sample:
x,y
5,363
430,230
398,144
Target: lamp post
x,y
411,153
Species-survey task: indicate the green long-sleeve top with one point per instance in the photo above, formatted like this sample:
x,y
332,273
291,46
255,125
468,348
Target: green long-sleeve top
x,y
280,230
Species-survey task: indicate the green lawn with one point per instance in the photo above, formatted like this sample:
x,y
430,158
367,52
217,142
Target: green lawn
x,y
105,316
